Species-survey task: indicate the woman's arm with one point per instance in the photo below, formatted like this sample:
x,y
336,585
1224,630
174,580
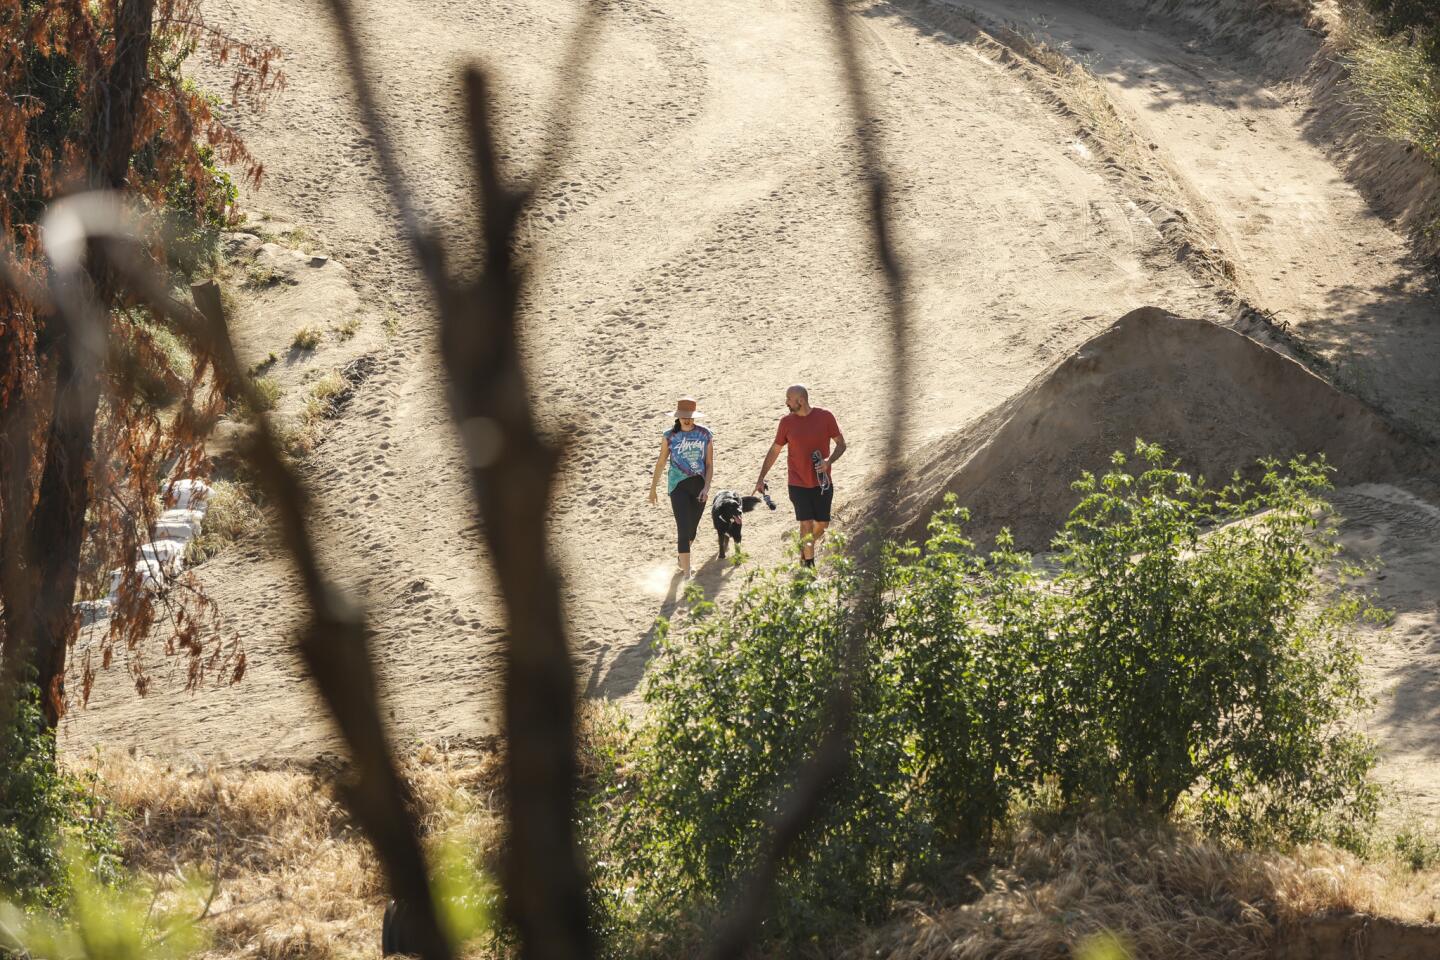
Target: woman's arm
x,y
709,469
659,468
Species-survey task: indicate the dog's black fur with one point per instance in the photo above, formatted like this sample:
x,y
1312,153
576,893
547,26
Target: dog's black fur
x,y
726,512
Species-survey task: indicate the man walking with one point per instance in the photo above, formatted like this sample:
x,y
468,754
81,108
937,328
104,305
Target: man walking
x,y
807,431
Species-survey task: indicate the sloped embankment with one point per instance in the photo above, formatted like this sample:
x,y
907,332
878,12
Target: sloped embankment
x,y
1307,45
1213,398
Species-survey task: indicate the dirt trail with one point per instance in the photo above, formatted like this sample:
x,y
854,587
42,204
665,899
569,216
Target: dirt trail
x,y
705,238
1308,247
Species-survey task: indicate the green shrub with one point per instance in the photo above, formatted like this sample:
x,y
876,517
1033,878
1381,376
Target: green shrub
x,y
1211,658
967,650
737,705
42,810
196,212
107,919
1194,652
1416,846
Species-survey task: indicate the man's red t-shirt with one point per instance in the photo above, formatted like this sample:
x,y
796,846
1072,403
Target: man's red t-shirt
x,y
803,436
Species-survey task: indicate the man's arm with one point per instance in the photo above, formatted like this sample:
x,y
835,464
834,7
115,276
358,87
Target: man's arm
x,y
770,458
834,454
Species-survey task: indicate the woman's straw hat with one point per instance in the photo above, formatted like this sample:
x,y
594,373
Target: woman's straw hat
x,y
685,409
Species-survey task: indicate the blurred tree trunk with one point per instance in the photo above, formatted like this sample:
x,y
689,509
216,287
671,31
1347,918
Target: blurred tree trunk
x,y
58,522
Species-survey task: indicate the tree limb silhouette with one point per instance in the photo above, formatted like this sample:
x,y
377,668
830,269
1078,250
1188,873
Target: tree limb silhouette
x,y
512,470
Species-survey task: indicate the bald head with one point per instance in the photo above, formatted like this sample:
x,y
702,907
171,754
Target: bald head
x,y
797,399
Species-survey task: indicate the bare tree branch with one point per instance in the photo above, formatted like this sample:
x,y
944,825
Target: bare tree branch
x,y
335,648
335,644
797,810
512,469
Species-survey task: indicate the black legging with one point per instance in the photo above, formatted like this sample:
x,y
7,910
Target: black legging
x,y
685,502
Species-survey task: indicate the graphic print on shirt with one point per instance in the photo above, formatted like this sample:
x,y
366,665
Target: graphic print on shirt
x,y
687,453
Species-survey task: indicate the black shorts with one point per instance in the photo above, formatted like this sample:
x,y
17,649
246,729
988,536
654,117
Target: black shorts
x,y
811,504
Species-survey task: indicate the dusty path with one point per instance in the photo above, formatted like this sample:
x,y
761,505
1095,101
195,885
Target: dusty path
x,y
705,239
1307,246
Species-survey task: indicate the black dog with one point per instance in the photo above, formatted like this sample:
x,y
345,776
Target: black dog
x,y
726,512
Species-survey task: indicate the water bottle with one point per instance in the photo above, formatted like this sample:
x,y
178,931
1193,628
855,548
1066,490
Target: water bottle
x,y
824,478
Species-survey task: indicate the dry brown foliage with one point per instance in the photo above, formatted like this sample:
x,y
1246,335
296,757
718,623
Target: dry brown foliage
x,y
91,97
1164,891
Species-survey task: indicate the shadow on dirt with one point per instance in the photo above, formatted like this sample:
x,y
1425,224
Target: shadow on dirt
x,y
624,673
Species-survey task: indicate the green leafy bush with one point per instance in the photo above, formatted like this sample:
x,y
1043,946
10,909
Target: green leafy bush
x,y
105,919
1193,651
42,811
1211,657
737,704
967,651
197,210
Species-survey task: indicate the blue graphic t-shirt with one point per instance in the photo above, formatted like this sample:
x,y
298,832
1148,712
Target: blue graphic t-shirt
x,y
687,453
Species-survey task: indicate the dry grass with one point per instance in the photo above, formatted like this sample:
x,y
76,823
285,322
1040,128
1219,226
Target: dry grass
x,y
348,327
328,386
1164,891
296,880
232,515
267,395
1397,82
299,238
260,276
307,338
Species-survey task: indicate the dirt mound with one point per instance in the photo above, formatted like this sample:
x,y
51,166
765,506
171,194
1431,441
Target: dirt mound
x,y
1211,397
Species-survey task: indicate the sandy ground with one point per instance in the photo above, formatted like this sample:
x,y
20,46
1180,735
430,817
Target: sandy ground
x,y
1308,247
704,239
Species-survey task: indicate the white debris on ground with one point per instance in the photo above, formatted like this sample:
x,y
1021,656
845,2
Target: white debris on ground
x,y
161,558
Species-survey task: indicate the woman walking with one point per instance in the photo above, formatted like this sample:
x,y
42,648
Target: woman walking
x,y
690,451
